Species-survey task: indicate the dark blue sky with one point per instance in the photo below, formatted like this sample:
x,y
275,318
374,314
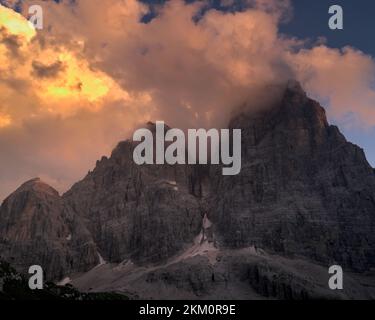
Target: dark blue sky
x,y
310,19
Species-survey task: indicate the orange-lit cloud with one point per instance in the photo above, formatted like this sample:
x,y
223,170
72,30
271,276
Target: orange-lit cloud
x,y
343,78
16,24
58,113
60,80
5,120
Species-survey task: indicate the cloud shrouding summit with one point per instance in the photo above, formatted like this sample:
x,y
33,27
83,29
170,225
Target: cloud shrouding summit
x,y
69,93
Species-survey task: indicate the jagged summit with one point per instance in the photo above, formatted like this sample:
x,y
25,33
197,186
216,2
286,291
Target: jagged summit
x,y
295,87
125,148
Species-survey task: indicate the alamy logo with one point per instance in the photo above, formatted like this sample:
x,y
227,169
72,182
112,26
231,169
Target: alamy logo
x,y
335,282
36,16
176,152
36,280
336,21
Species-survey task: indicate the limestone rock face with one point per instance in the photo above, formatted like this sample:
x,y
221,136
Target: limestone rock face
x,y
303,189
36,229
146,213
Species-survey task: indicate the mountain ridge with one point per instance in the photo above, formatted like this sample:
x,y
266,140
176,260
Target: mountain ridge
x,y
304,192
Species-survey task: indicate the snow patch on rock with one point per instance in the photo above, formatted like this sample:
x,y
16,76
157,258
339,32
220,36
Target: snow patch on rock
x,y
64,281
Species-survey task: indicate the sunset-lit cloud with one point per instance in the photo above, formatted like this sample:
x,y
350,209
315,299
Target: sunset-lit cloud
x,y
70,92
5,120
58,113
16,24
57,78
343,78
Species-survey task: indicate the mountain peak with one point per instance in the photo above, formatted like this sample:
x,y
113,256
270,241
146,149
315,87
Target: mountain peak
x,y
295,87
37,185
294,94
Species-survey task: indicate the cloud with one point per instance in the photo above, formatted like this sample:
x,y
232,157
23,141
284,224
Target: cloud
x,y
343,78
58,114
12,42
194,71
41,70
70,92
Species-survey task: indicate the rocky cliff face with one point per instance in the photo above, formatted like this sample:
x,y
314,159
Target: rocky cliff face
x,y
303,189
36,228
145,213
